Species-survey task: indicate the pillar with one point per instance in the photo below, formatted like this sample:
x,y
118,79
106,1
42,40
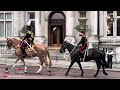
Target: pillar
x,y
16,24
93,29
70,27
22,21
39,31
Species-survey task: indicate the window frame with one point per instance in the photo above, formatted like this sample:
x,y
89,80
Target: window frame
x,y
114,24
84,18
7,20
32,20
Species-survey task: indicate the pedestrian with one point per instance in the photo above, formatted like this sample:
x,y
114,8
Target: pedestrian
x,y
110,57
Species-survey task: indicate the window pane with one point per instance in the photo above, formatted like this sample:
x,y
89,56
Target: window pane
x,y
1,29
57,16
118,27
32,15
118,13
82,13
1,15
8,16
9,29
33,26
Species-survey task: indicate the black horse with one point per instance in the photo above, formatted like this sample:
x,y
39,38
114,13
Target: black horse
x,y
93,54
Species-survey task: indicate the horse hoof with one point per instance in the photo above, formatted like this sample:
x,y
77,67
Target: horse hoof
x,y
49,71
38,72
105,73
25,71
82,75
95,76
66,74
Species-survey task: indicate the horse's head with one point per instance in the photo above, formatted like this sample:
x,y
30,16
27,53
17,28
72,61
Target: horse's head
x,y
9,43
63,47
12,42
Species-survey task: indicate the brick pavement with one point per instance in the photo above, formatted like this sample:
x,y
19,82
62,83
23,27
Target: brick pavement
x,y
56,63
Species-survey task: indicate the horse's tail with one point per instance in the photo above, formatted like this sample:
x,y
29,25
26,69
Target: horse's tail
x,y
104,61
48,58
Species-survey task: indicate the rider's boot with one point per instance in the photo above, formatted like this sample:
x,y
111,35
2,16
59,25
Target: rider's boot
x,y
23,52
81,56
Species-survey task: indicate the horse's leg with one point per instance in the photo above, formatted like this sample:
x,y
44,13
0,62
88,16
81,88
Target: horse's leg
x,y
25,68
15,63
80,68
72,62
47,66
103,66
41,65
98,66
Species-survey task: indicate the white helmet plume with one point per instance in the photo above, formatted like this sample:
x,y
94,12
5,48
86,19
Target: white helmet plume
x,y
29,23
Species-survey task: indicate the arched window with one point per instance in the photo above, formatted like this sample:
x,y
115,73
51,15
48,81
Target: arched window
x,y
57,16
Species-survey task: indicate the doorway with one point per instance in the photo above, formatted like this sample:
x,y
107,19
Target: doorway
x,y
56,29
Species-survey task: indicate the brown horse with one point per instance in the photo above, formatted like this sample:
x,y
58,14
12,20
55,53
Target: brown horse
x,y
41,52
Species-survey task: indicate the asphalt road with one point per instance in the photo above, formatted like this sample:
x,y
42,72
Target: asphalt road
x,y
57,73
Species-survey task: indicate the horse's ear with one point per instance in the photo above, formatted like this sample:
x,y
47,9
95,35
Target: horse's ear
x,y
65,41
7,38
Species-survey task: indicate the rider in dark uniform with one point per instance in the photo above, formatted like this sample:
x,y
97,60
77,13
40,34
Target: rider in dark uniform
x,y
83,43
29,37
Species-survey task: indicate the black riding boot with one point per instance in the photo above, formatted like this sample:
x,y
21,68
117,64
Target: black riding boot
x,y
81,55
23,52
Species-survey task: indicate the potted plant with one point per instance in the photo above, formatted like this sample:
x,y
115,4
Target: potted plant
x,y
81,27
23,30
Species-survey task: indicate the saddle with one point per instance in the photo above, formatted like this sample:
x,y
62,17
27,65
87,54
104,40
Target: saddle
x,y
30,48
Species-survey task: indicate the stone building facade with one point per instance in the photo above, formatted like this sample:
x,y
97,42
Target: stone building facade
x,y
53,27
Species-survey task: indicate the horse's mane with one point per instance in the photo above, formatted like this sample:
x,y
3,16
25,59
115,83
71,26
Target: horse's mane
x,y
70,43
16,39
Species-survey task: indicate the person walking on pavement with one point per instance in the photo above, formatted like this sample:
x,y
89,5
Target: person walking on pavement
x,y
109,57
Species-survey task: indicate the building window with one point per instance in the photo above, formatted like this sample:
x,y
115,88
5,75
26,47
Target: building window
x,y
115,29
110,26
118,23
32,18
83,19
5,24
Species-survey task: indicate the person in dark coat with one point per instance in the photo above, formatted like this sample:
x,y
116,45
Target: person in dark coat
x,y
83,43
29,37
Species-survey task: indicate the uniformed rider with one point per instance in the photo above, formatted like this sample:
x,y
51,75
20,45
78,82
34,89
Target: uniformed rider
x,y
82,43
29,37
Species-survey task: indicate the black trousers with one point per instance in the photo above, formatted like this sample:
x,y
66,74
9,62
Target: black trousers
x,y
109,62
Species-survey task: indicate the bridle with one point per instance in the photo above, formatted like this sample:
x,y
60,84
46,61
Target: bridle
x,y
66,48
11,44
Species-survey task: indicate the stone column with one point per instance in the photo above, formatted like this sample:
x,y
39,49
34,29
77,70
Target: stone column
x,y
93,29
16,23
102,23
22,21
70,26
39,31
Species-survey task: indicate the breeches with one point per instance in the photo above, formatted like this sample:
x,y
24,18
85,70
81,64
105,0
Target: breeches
x,y
82,48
